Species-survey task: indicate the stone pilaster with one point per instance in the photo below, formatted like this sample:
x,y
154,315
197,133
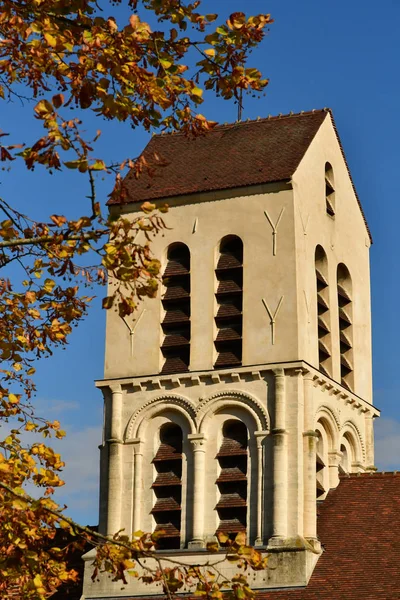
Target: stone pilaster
x,y
115,462
310,451
280,468
199,454
260,437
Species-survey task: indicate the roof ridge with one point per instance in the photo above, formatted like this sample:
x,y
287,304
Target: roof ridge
x,y
370,474
279,117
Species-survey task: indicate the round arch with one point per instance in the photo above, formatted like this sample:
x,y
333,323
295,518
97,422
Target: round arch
x,y
329,420
223,400
352,434
156,406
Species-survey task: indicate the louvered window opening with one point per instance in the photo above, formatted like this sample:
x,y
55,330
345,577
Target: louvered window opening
x,y
329,190
324,344
320,466
345,332
167,488
229,295
175,346
232,480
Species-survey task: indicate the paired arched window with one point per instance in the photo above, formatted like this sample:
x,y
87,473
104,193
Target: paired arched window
x,y
324,318
229,295
344,293
167,487
175,347
232,480
345,319
329,190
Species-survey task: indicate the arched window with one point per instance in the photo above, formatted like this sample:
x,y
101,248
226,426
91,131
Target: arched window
x,y
229,295
329,190
324,318
232,479
167,486
175,346
344,290
344,462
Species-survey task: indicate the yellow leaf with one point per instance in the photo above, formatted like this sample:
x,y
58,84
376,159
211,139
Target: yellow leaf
x,y
13,399
210,52
50,39
197,91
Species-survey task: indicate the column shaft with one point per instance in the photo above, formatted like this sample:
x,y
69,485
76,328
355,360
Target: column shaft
x,y
114,495
280,502
310,457
199,459
138,485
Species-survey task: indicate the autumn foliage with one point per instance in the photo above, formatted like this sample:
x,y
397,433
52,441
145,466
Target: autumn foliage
x,y
58,54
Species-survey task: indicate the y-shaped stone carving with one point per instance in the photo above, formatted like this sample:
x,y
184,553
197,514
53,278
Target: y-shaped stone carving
x,y
273,316
274,228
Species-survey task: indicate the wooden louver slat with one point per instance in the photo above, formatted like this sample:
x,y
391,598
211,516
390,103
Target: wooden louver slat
x,y
232,479
229,296
167,487
345,326
323,313
175,346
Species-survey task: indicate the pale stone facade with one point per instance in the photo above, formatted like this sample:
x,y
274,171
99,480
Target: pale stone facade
x,y
298,411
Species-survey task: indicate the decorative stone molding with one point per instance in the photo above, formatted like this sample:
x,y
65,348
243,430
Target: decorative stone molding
x,y
159,404
330,414
211,404
355,431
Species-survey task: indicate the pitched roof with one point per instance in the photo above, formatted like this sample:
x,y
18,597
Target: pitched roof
x,y
358,525
229,156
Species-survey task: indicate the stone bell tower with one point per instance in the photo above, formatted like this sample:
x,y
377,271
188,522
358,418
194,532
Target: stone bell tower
x,y
236,398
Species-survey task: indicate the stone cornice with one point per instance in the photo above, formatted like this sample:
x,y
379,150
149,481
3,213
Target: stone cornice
x,y
255,372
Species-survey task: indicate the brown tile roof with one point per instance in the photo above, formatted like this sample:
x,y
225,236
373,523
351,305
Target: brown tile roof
x,y
231,155
359,527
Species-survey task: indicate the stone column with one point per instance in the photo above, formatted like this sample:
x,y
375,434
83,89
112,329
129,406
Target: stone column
x,y
260,436
115,463
334,458
279,433
199,459
137,484
310,437
369,435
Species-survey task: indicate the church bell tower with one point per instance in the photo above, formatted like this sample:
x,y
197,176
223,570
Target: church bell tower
x,y
234,401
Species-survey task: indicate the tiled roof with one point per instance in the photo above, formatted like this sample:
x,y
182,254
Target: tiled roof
x,y
231,155
359,528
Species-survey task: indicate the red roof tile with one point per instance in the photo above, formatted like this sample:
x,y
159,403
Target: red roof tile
x,y
358,525
244,153
232,155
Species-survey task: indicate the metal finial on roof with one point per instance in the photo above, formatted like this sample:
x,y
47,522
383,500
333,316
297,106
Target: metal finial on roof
x,y
280,115
258,118
302,112
313,110
269,116
248,119
291,113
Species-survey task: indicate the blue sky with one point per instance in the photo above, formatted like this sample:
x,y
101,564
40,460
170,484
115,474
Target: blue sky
x,y
343,55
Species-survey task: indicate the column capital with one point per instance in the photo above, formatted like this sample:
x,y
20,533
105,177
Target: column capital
x,y
335,458
116,388
198,441
260,436
279,372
